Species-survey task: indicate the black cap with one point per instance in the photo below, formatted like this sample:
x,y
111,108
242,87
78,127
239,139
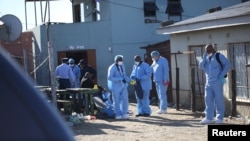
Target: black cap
x,y
64,60
82,62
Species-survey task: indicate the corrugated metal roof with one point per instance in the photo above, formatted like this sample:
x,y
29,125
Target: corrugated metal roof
x,y
231,16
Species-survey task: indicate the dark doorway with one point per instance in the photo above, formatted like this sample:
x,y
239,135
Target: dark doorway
x,y
89,55
77,56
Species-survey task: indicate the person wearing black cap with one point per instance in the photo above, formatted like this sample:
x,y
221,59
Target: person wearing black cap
x,y
117,83
142,73
87,68
86,81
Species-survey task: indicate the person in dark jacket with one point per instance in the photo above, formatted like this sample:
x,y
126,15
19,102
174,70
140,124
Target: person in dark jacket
x,y
86,81
87,68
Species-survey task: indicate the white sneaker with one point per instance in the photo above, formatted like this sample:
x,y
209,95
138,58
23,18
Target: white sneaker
x,y
161,112
118,117
218,121
125,116
206,121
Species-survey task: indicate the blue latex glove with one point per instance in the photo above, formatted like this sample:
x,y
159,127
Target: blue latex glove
x,y
133,77
204,55
127,79
166,83
120,78
221,76
223,80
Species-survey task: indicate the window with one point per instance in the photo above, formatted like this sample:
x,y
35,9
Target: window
x,y
200,79
174,9
77,11
150,9
244,0
92,11
240,62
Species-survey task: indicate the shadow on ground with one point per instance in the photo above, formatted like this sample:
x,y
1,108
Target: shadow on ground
x,y
173,118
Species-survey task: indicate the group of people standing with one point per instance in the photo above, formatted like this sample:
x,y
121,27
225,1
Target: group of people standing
x,y
72,75
214,64
141,73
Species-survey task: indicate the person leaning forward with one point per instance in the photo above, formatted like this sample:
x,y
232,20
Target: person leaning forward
x,y
84,67
141,74
86,81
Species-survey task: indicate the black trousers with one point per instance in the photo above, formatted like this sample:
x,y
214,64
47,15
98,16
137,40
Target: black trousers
x,y
63,84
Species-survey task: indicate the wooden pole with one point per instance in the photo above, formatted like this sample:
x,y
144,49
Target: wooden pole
x,y
51,66
177,89
233,108
177,85
193,95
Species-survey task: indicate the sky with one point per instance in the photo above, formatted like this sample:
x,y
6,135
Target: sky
x,y
60,11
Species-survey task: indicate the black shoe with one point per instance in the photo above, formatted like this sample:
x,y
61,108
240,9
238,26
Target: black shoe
x,y
142,115
145,115
139,115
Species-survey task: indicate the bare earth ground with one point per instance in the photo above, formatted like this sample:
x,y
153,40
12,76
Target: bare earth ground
x,y
182,125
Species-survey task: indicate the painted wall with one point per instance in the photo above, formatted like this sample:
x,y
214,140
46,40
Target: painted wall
x,y
123,34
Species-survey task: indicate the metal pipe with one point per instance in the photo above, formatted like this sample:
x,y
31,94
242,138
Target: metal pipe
x,y
35,12
51,65
41,6
25,15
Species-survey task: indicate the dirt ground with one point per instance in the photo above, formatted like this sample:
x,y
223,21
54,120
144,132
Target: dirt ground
x,y
182,125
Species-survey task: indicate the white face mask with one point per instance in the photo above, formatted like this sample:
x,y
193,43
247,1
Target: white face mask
x,y
210,54
120,63
71,65
137,63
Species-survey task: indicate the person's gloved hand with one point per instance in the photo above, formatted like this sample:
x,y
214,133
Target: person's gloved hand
x,y
132,82
205,55
222,79
119,78
137,79
166,83
133,77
